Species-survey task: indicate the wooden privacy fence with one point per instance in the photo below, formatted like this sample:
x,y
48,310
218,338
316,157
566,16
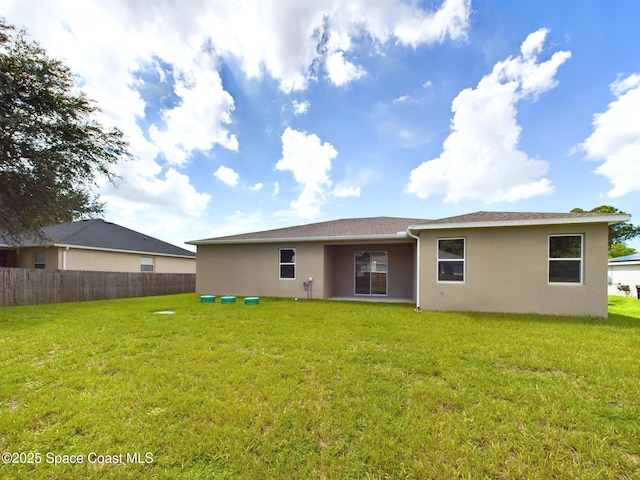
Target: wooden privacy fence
x,y
29,286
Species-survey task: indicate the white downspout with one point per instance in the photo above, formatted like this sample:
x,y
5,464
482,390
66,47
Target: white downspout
x,y
64,258
417,237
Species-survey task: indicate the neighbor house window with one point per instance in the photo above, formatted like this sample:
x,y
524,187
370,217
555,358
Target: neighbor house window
x,y
565,259
451,259
371,273
287,263
39,260
147,264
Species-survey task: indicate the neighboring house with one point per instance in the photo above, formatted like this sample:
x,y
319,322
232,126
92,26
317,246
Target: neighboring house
x,y
97,245
624,275
547,263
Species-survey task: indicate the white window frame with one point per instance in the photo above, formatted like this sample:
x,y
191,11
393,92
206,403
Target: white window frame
x,y
574,259
463,260
40,259
281,263
147,262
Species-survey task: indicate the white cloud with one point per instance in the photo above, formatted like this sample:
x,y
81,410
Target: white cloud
x,y
616,137
227,175
276,189
257,187
480,158
200,119
416,26
346,191
354,181
300,108
403,99
310,162
263,36
138,191
341,71
287,40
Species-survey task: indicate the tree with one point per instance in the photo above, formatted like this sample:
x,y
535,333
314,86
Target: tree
x,y
621,250
52,148
618,233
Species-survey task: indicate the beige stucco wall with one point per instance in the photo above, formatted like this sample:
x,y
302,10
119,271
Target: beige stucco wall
x,y
26,257
254,270
507,271
96,260
175,265
79,259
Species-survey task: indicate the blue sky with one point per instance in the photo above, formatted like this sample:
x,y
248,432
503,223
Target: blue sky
x,y
258,114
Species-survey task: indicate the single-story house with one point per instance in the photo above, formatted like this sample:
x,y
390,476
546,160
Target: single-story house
x,y
96,245
546,263
624,275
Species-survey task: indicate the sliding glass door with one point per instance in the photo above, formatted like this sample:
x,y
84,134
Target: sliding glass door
x,y
371,273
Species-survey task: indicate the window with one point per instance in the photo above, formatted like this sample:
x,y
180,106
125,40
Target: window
x,y
287,263
565,259
371,273
39,260
451,259
147,264
8,258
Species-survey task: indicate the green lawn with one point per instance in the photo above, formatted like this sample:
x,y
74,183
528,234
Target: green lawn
x,y
317,389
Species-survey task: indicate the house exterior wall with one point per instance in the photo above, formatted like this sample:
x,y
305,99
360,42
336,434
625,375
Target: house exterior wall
x,y
175,265
400,276
95,260
507,271
625,273
254,270
26,257
101,261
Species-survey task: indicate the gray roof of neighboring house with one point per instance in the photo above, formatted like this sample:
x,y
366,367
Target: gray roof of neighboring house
x,y
394,227
634,257
102,235
348,227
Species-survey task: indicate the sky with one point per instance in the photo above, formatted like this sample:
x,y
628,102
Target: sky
x,y
247,115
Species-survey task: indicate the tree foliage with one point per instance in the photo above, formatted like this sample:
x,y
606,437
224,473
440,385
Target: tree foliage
x,y
618,233
621,250
52,148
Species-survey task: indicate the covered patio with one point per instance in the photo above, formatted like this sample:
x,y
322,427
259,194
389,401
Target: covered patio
x,y
376,272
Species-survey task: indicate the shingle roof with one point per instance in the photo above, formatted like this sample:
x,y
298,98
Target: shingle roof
x,y
99,234
477,217
348,227
390,227
512,219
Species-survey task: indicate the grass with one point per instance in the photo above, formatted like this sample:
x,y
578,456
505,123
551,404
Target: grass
x,y
317,389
